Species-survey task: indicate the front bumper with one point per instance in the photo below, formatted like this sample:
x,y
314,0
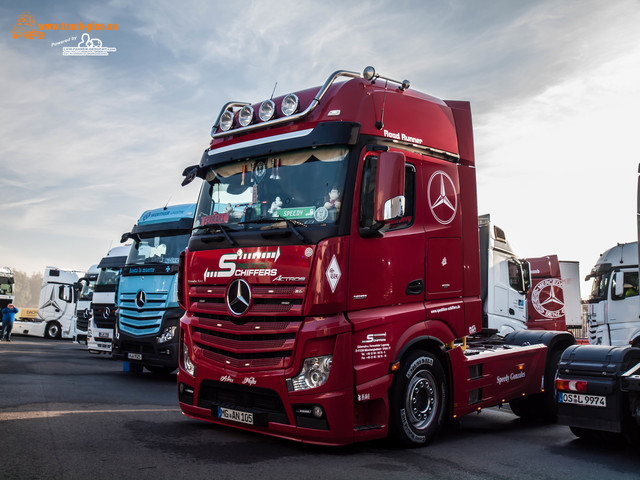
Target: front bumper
x,y
262,395
146,350
275,412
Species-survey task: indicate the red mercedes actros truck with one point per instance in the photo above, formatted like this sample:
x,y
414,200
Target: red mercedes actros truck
x,y
332,281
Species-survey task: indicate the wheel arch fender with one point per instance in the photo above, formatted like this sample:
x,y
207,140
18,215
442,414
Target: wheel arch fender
x,y
553,340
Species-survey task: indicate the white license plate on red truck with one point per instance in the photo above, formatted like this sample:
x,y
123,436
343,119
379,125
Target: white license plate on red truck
x,y
584,400
235,415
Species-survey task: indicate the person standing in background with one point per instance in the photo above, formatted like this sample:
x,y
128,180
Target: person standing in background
x,y
8,316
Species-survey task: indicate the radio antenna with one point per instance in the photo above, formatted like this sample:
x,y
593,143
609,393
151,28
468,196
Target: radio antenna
x,y
167,204
274,90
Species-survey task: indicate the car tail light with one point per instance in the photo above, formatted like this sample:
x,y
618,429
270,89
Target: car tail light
x,y
571,385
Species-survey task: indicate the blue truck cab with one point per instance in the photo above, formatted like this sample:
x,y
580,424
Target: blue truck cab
x,y
148,311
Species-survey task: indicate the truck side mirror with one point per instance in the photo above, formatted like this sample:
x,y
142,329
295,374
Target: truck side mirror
x,y
389,195
618,285
526,274
189,174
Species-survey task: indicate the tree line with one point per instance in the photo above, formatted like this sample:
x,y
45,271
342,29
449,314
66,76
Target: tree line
x,y
27,289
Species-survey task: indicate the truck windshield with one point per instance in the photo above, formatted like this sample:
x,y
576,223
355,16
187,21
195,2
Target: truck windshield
x,y
164,249
599,288
303,186
107,279
87,289
6,288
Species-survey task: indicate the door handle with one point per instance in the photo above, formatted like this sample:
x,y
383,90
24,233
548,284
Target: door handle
x,y
415,288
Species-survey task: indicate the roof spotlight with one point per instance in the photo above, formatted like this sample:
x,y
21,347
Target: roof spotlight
x,y
267,109
226,120
289,104
246,116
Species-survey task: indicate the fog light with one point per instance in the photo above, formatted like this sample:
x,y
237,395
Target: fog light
x,y
267,109
289,104
246,116
318,412
226,120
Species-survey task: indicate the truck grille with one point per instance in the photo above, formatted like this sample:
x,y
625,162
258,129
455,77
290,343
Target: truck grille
x,y
262,342
82,323
142,321
104,316
263,338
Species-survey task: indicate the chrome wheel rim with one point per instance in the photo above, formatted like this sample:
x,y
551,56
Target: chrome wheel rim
x,y
422,401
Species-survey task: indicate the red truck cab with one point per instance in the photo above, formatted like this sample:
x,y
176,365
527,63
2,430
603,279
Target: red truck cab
x,y
332,279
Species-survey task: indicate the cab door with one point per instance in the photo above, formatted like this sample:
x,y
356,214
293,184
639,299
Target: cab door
x,y
386,265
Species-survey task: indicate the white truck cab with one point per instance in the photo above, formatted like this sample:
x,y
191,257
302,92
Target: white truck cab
x,y
505,281
56,308
612,307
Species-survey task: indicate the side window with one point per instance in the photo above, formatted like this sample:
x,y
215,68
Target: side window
x,y
64,293
367,192
515,276
629,287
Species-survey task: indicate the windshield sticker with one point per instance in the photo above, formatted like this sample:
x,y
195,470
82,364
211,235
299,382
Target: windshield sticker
x,y
303,212
215,219
321,214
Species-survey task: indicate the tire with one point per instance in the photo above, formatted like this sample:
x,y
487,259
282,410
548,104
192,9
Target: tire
x,y
53,330
418,400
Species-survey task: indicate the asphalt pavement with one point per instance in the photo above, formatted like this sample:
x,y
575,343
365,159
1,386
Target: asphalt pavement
x,y
68,414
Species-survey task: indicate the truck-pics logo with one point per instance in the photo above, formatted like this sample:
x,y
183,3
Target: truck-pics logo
x,y
545,299
26,27
245,264
443,199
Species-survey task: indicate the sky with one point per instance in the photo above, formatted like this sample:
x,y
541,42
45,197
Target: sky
x,y
89,143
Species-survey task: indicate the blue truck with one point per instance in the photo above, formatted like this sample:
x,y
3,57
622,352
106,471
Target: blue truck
x,y
148,311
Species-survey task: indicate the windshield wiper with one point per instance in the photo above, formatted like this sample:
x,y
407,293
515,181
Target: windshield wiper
x,y
291,224
221,227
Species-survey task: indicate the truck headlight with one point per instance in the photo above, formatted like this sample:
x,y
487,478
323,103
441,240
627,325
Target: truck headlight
x,y
314,373
189,367
166,335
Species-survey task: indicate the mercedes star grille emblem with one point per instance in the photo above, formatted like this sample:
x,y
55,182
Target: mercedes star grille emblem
x,y
141,299
238,297
106,312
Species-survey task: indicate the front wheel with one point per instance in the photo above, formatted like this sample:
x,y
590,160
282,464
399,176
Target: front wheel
x,y
53,330
418,400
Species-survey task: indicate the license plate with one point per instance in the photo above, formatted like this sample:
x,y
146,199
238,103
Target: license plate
x,y
103,334
134,356
235,415
584,400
